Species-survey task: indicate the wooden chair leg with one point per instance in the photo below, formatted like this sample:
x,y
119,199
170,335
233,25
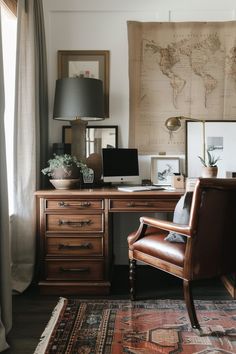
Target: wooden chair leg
x,y
132,268
190,304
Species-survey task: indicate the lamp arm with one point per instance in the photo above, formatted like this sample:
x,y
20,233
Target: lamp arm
x,y
192,119
173,124
204,139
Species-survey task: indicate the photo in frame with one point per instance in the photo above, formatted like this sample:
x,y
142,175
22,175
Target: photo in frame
x,y
219,141
86,63
163,168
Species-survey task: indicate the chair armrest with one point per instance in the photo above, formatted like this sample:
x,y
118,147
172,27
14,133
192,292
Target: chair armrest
x,y
159,224
182,229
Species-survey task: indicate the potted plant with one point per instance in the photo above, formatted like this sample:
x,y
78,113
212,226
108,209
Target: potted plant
x,y
210,168
65,171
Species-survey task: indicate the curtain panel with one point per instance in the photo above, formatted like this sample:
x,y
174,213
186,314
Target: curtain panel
x,y
5,279
31,130
41,88
178,69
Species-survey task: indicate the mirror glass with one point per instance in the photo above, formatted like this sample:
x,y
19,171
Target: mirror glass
x,y
97,137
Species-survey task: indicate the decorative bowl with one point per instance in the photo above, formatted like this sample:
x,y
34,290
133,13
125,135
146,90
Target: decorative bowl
x,y
65,183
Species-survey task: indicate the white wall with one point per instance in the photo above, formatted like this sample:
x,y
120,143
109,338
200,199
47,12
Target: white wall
x,y
101,25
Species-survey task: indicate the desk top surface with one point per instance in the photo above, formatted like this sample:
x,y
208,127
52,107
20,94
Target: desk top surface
x,y
108,193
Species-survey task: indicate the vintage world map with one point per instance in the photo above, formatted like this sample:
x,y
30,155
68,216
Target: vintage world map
x,y
179,69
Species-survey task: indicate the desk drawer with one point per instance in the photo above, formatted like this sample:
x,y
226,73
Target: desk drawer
x,y
75,223
74,270
142,205
78,204
74,246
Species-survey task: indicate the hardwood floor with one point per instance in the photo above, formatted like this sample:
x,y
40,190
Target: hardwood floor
x,y
31,311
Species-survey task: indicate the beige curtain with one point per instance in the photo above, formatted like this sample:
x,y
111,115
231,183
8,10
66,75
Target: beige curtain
x,y
31,121
5,280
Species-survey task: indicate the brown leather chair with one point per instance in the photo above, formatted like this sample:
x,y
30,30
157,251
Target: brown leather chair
x,y
211,240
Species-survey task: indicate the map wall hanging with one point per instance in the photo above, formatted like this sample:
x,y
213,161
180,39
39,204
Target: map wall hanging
x,y
179,69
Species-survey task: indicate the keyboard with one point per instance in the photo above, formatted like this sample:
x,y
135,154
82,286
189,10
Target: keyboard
x,y
139,188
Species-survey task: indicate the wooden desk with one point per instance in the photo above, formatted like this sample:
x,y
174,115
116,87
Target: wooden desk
x,y
75,235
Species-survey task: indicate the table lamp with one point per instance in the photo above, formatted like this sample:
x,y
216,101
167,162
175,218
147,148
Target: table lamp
x,y
79,100
174,123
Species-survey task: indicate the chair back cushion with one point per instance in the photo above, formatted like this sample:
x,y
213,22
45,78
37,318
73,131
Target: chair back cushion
x,y
181,216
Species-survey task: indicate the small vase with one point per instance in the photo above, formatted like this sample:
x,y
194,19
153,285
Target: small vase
x,y
209,172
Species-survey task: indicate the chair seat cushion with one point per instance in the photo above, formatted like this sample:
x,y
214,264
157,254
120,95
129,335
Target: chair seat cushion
x,y
154,245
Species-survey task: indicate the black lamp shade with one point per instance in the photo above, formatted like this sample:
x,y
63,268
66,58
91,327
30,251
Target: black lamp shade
x,y
79,98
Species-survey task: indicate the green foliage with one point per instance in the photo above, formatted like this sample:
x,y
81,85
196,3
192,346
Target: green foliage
x,y
63,161
211,160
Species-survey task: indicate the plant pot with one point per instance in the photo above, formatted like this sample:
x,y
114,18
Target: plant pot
x,y
209,172
67,172
65,183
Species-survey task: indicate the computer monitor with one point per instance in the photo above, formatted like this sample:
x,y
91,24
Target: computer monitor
x,y
120,165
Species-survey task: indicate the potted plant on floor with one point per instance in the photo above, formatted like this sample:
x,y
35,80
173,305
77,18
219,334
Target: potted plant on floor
x,y
65,171
210,168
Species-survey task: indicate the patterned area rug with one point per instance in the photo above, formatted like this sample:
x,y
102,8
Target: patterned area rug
x,y
146,327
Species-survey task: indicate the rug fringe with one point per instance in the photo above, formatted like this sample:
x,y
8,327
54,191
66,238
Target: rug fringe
x,y
45,336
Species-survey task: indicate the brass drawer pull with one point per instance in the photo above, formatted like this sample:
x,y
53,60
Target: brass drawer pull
x,y
66,205
87,245
63,204
133,204
74,270
85,204
74,223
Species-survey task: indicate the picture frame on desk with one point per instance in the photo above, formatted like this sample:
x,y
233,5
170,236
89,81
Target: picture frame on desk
x,y
219,140
86,63
163,168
